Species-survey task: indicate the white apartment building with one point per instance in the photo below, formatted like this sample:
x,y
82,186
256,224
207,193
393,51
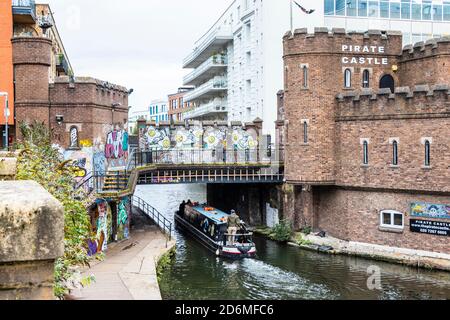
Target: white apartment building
x,y
237,64
134,116
159,111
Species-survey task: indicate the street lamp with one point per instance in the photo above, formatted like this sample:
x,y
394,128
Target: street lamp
x,y
5,94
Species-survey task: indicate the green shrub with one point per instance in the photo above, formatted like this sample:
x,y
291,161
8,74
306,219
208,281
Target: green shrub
x,y
41,162
307,230
281,232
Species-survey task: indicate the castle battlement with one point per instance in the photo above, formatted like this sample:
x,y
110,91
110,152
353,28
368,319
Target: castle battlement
x,y
438,91
334,40
429,48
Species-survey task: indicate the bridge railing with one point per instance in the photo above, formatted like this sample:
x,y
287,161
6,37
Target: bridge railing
x,y
161,221
271,156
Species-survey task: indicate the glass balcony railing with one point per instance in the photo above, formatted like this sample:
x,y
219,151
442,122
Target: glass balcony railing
x,y
24,11
207,69
213,107
210,88
212,42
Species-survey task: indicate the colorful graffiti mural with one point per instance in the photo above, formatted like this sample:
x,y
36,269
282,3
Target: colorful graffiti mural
x,y
243,139
215,138
429,210
197,136
122,219
103,225
116,144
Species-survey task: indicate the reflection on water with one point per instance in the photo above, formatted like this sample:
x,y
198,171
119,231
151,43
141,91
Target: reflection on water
x,y
280,271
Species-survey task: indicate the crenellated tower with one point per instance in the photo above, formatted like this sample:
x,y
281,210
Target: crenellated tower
x,y
317,66
31,59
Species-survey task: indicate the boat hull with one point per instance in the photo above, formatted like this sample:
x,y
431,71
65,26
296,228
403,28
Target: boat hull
x,y
231,252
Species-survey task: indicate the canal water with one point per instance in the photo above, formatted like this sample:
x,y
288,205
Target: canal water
x,y
279,271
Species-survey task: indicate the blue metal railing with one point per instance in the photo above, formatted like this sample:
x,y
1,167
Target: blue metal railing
x,y
161,221
24,8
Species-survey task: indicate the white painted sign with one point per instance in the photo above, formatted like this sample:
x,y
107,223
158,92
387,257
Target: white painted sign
x,y
364,59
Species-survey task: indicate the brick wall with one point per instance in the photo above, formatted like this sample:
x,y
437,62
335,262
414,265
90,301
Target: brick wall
x,y
322,54
354,215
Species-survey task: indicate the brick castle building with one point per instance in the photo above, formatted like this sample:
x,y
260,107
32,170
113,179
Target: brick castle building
x,y
87,117
365,124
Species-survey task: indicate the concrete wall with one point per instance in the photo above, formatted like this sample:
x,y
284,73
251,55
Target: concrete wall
x,y
31,238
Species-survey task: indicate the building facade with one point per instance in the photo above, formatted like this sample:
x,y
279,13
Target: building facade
x,y
365,127
159,111
179,110
25,19
237,64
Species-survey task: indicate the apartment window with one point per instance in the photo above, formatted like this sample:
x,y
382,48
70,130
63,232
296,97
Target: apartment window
x,y
391,219
347,78
406,9
373,9
437,12
340,7
395,10
365,145
384,9
426,10
352,8
362,8
394,153
416,10
427,153
329,7
366,78
446,11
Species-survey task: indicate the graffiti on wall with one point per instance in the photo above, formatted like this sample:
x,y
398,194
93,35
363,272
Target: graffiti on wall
x,y
215,138
102,228
209,137
429,210
123,219
116,144
81,161
158,138
243,139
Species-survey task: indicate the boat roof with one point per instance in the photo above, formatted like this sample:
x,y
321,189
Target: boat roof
x,y
216,215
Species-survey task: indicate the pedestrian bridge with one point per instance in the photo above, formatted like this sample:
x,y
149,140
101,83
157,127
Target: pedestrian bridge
x,y
194,166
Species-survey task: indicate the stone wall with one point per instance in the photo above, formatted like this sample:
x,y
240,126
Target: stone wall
x,y
31,239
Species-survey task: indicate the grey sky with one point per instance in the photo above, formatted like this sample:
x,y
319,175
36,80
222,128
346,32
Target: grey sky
x,y
136,43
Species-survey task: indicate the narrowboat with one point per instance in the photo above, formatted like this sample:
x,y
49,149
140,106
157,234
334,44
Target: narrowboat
x,y
208,225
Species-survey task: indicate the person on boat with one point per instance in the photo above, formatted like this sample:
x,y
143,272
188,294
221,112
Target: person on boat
x,y
181,208
233,222
189,203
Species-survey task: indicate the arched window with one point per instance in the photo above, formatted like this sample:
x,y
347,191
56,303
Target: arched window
x,y
387,81
366,79
347,78
305,77
73,137
395,153
365,152
305,132
427,153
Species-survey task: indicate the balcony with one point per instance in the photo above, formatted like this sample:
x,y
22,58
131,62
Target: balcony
x,y
62,66
208,69
213,107
208,45
24,11
209,89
